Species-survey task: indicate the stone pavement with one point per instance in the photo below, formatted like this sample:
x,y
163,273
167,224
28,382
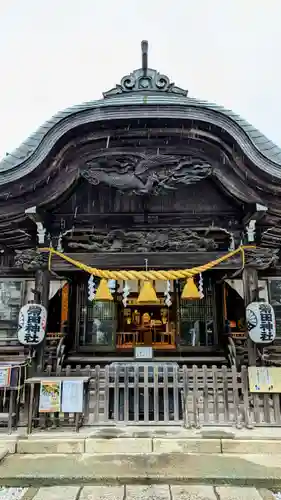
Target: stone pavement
x,y
263,471
136,492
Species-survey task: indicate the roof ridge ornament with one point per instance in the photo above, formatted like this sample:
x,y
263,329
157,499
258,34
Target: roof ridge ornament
x,y
144,55
145,80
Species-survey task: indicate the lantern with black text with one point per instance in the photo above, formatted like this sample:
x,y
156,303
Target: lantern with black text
x,y
32,324
261,324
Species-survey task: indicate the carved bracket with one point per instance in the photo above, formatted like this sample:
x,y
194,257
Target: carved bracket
x,y
260,258
30,259
39,221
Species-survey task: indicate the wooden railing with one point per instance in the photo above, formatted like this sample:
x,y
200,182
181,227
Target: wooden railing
x,y
55,349
166,394
140,393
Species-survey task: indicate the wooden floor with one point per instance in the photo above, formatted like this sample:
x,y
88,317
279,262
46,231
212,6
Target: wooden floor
x,y
93,360
157,346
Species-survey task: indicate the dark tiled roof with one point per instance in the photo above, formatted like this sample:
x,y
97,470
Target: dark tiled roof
x,y
33,150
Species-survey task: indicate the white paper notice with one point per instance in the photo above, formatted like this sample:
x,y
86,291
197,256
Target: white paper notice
x,y
72,396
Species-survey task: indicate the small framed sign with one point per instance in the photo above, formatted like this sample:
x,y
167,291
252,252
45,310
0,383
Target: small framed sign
x,y
50,397
265,379
5,376
72,396
143,352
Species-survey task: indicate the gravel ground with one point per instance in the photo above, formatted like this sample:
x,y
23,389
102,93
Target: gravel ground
x,y
136,492
12,493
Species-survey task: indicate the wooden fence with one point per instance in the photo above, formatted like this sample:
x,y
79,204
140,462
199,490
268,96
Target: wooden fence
x,y
164,393
140,394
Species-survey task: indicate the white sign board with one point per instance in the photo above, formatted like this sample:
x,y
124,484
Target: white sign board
x,y
5,376
32,324
261,324
143,353
265,379
72,396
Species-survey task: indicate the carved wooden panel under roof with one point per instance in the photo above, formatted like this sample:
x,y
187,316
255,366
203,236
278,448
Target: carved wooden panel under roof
x,y
103,218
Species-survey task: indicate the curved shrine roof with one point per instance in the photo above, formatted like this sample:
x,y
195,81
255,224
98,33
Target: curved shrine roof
x,y
144,93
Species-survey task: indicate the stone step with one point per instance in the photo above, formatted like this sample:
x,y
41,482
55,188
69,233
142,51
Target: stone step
x,y
177,468
110,440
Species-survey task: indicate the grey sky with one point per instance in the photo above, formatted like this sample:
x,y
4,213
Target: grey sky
x,y
55,53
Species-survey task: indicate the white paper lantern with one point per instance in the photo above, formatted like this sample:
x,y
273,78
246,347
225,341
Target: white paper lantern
x,y
261,324
32,324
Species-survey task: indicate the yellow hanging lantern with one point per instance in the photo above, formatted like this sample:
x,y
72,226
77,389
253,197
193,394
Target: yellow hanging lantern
x,y
103,292
147,294
190,291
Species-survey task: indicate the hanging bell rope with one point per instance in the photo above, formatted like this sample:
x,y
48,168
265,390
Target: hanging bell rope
x,y
145,275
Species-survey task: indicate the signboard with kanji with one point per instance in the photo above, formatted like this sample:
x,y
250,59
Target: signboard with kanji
x,y
5,376
142,352
32,324
265,379
260,319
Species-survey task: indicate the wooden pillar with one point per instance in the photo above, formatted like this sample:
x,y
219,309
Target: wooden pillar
x,y
64,308
251,294
42,288
178,311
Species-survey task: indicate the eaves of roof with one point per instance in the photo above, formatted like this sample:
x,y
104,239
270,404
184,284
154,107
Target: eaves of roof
x,y
263,152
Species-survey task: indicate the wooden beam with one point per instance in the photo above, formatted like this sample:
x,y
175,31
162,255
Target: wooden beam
x,y
41,296
164,260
